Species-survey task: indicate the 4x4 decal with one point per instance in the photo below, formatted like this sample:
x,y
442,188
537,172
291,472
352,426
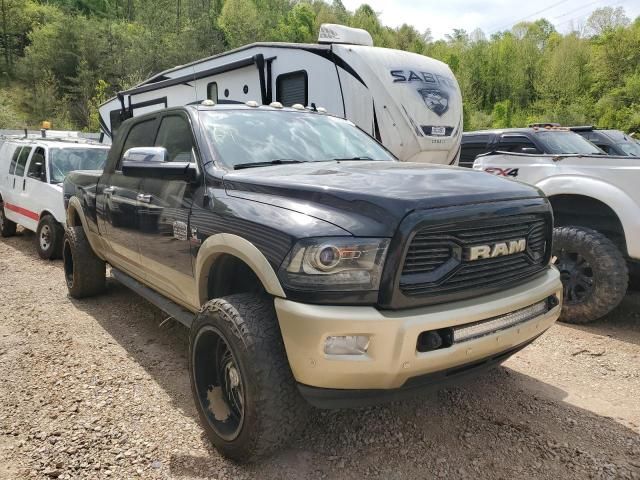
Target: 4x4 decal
x,y
502,172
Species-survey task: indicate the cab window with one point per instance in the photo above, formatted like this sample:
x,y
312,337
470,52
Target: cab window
x,y
516,144
37,168
175,135
14,160
22,161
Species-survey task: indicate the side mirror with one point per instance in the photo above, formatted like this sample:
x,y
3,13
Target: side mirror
x,y
530,150
146,154
152,162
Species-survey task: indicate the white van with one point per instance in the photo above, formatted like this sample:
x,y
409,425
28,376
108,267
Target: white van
x,y
410,103
31,174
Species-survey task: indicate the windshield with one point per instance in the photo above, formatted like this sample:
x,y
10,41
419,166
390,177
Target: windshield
x,y
263,137
567,143
630,148
65,160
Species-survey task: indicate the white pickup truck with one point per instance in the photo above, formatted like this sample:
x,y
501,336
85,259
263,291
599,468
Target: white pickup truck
x,y
596,205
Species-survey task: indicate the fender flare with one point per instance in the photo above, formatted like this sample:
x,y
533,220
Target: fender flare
x,y
234,245
616,199
75,207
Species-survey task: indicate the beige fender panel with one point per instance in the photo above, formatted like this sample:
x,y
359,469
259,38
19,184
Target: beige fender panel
x,y
225,243
97,243
623,205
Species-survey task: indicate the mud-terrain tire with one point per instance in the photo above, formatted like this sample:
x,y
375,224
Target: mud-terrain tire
x,y
241,381
7,227
84,272
593,271
49,237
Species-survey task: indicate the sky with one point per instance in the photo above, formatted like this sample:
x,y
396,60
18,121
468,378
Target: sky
x,y
443,16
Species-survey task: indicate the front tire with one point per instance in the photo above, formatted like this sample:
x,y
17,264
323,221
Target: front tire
x,y
593,271
49,237
84,272
7,227
241,381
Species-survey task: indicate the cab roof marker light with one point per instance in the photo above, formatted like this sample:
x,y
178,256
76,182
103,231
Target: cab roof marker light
x,y
321,110
276,105
297,106
252,103
208,103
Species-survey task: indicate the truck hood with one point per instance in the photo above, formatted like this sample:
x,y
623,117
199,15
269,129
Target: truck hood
x,y
370,198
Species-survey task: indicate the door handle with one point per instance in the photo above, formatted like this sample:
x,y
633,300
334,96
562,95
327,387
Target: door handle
x,y
144,198
109,190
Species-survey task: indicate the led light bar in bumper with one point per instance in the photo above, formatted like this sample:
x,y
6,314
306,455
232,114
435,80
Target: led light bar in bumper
x,y
487,327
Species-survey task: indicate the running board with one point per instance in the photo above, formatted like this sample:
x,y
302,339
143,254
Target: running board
x,y
181,314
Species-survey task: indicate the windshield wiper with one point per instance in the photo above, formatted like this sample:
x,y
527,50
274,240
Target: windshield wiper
x,y
282,161
352,158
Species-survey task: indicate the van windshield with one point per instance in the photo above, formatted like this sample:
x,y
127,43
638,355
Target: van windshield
x,y
262,137
558,142
632,149
65,160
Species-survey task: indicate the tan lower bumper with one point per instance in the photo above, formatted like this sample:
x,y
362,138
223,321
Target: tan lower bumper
x,y
392,357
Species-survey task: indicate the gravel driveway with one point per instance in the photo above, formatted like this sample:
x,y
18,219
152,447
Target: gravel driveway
x,y
97,389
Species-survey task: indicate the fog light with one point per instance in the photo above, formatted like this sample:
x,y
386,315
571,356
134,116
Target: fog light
x,y
346,345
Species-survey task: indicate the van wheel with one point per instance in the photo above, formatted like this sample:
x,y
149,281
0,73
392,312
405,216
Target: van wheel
x,y
241,381
49,236
84,272
7,227
593,271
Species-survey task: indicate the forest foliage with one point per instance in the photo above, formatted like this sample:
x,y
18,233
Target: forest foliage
x,y
60,59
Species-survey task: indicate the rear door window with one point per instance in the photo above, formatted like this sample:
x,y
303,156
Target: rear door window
x,y
472,146
22,161
14,160
515,143
292,88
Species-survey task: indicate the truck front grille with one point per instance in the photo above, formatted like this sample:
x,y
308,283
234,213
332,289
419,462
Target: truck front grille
x,y
438,262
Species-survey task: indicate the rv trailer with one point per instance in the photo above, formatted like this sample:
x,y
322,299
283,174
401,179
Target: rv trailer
x,y
408,102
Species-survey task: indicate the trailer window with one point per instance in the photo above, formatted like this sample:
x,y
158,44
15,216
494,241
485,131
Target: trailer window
x,y
14,160
22,161
292,88
175,136
212,91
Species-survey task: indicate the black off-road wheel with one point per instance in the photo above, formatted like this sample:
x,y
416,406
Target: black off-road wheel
x,y
84,272
241,381
7,227
593,271
49,237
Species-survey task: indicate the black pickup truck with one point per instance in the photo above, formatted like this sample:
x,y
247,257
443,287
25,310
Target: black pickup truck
x,y
310,266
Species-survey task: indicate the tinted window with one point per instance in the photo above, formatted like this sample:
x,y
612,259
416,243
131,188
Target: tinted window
x,y
141,134
472,146
37,169
14,160
291,88
515,144
243,137
22,161
175,135
212,91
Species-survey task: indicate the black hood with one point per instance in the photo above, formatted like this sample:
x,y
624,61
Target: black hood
x,y
370,198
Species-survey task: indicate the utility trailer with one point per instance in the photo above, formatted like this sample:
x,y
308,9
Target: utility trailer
x,y
408,102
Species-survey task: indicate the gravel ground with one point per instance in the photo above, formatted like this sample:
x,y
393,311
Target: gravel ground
x,y
97,389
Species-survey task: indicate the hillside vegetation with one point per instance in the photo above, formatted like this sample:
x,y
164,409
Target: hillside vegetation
x,y
59,59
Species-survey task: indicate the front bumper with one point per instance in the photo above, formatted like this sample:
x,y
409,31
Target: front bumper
x,y
392,358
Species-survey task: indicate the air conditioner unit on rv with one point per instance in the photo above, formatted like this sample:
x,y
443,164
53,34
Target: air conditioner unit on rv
x,y
331,33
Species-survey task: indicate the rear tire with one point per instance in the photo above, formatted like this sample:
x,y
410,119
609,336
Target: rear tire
x,y
593,271
84,272
7,227
49,237
241,381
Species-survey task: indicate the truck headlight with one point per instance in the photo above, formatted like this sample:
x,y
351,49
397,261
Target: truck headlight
x,y
340,263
